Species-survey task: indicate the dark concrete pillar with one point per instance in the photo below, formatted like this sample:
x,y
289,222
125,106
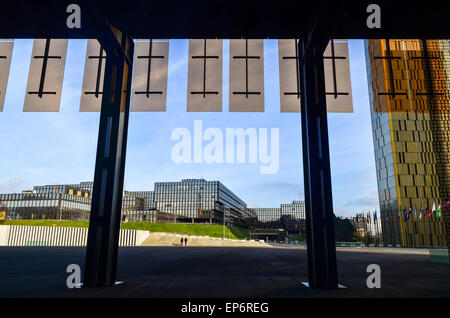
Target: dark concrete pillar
x,y
104,226
322,271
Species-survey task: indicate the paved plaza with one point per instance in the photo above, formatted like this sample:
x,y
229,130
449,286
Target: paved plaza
x,y
221,272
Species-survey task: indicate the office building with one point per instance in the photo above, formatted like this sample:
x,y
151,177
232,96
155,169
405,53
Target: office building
x,y
191,200
289,216
265,215
50,205
409,82
70,202
198,200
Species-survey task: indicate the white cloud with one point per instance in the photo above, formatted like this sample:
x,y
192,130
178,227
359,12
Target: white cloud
x,y
11,185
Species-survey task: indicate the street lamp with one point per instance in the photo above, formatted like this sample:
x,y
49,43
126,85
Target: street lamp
x,y
223,217
211,211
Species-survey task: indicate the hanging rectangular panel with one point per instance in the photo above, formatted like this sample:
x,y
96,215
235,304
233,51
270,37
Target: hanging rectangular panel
x,y
46,75
337,76
149,90
6,47
246,76
205,76
94,71
288,59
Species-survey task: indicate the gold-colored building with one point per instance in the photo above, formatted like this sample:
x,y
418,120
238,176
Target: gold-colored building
x,y
409,90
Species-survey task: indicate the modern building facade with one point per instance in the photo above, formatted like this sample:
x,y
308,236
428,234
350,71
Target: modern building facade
x,y
267,214
369,227
409,85
289,216
296,209
191,200
51,205
67,202
139,206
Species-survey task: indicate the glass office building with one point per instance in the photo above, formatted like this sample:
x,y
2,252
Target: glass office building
x,y
71,202
51,205
267,214
198,200
191,200
409,83
296,210
289,216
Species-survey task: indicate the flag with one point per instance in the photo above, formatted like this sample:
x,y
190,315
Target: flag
x,y
433,209
356,218
375,216
405,215
421,211
415,211
399,215
438,212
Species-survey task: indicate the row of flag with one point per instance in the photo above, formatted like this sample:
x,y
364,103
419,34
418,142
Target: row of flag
x,y
405,214
368,217
408,214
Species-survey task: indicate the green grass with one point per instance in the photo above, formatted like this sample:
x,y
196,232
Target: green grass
x,y
46,223
212,230
297,238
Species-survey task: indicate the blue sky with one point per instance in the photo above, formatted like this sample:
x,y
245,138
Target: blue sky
x,y
58,148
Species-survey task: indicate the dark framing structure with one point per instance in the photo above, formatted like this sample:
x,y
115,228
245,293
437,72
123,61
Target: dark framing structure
x,y
116,23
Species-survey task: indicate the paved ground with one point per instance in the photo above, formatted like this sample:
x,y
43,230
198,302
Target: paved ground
x,y
218,272
172,239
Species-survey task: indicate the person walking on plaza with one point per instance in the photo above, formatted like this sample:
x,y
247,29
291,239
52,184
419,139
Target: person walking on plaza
x,y
185,241
181,244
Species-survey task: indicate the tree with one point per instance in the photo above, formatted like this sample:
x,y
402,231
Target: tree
x,y
344,231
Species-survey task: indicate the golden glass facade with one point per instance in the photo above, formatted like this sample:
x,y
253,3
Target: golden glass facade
x,y
409,84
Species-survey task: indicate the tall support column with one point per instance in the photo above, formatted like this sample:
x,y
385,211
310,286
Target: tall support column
x,y
103,236
322,269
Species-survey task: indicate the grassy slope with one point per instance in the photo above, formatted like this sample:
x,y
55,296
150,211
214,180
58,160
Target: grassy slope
x,y
188,229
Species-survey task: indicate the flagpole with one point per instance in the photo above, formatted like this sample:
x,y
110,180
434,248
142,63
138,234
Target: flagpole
x,y
376,227
415,226
429,226
401,228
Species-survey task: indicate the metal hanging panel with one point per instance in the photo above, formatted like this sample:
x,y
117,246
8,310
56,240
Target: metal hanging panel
x,y
6,47
288,59
94,71
205,76
338,86
246,76
149,89
45,78
337,77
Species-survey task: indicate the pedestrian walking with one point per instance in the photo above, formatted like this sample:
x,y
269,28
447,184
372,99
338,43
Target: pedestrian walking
x,y
185,241
181,242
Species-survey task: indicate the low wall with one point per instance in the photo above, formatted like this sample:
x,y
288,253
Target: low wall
x,y
20,235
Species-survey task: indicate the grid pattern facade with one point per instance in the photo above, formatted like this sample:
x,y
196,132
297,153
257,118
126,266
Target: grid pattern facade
x,y
296,210
46,206
71,189
267,214
409,93
200,199
148,196
185,201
